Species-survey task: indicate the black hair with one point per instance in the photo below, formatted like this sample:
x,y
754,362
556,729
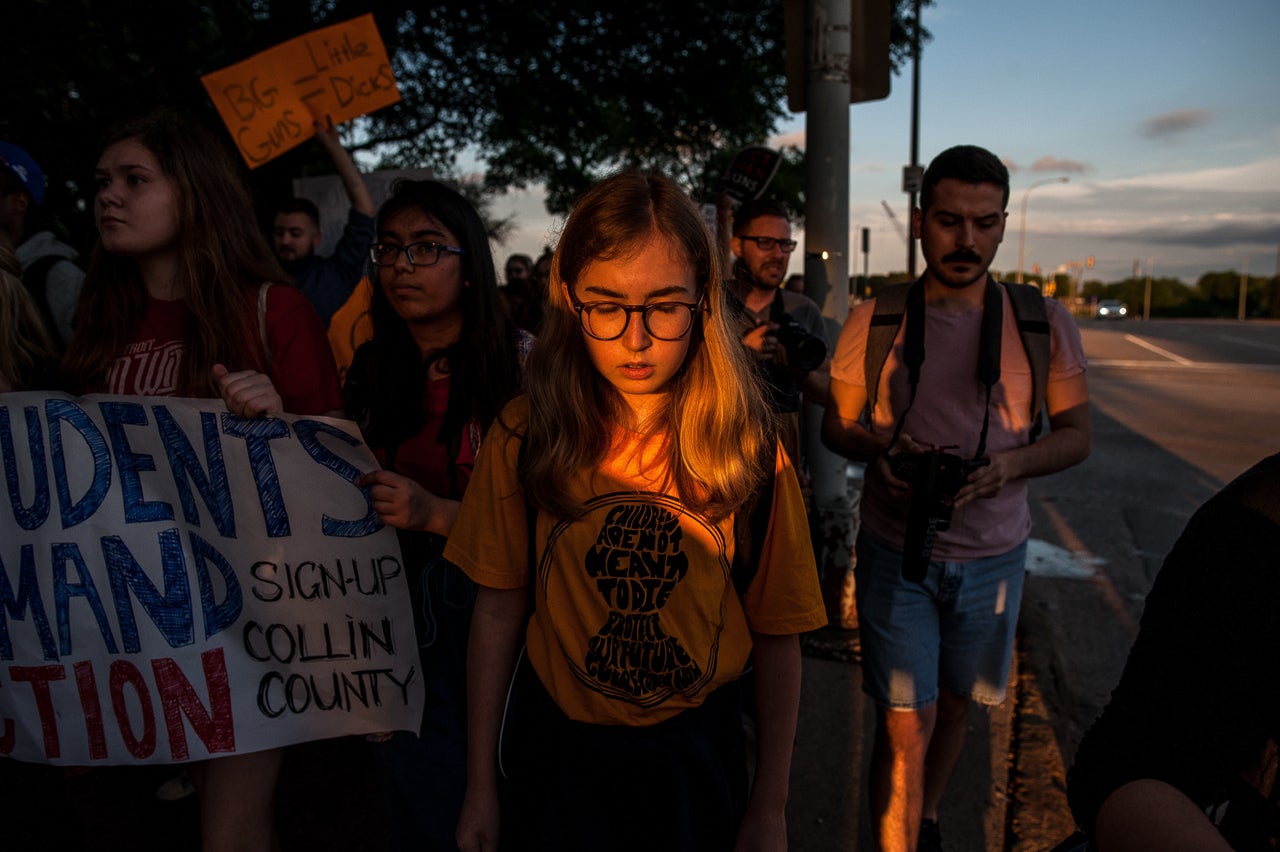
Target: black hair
x,y
966,163
753,210
300,205
483,364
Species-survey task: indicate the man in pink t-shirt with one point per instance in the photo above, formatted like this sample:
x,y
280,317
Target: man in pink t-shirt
x,y
937,631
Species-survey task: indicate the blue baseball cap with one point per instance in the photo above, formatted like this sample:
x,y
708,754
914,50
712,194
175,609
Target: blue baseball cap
x,y
28,170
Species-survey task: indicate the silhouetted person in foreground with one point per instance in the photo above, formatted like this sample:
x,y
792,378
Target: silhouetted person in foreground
x,y
1186,756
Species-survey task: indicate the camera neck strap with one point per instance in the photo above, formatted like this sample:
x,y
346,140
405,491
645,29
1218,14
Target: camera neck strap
x,y
776,311
989,343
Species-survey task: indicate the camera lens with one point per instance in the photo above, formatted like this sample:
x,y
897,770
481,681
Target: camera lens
x,y
805,352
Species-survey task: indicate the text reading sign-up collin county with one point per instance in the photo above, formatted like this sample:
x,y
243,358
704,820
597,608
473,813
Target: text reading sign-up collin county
x,y
177,583
269,100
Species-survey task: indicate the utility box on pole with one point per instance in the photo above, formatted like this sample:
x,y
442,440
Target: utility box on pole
x,y
870,23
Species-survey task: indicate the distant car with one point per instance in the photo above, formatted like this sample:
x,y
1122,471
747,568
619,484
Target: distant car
x,y
1112,309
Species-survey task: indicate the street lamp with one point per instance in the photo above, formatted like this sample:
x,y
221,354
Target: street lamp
x,y
1022,231
1146,294
1244,287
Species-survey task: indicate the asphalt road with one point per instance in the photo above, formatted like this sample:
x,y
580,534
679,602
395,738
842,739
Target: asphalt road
x,y
1179,409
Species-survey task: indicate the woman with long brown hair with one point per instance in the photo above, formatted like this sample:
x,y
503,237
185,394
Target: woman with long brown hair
x,y
183,298
178,297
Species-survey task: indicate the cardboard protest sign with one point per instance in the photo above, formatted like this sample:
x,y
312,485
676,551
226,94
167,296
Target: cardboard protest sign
x,y
269,100
179,583
749,173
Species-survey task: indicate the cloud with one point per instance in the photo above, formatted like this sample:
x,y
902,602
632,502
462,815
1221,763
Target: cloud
x,y
1057,164
1256,177
1010,165
1190,219
1173,123
794,139
1210,236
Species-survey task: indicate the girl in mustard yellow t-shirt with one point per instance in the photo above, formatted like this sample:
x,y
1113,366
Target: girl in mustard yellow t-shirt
x,y
642,432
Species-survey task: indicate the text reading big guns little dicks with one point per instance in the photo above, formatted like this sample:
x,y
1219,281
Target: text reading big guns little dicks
x,y
269,100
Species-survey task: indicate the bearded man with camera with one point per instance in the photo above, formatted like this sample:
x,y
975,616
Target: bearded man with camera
x,y
784,330
949,444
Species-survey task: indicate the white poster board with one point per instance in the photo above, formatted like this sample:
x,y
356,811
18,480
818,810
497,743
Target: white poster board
x,y
178,583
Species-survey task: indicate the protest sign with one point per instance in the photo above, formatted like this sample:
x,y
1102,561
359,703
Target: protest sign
x,y
269,100
749,173
179,583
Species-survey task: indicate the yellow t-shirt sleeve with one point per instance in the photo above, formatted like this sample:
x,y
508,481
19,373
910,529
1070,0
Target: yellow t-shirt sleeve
x,y
784,596
490,538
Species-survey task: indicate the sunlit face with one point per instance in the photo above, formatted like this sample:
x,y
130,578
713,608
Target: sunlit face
x,y
136,208
294,236
767,267
961,231
638,365
422,294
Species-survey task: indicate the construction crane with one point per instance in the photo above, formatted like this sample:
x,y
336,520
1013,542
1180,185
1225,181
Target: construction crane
x,y
897,226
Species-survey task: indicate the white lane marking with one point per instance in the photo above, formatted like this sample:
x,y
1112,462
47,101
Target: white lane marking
x,y
1156,349
1049,560
1205,366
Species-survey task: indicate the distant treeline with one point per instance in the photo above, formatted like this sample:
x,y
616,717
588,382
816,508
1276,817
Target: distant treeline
x,y
1215,294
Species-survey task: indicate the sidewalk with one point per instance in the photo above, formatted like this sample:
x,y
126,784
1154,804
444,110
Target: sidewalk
x,y
828,810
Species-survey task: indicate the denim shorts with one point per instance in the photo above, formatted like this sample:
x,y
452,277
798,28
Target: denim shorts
x,y
954,630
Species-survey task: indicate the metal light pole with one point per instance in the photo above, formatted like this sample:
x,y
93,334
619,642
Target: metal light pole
x,y
915,140
826,237
1146,296
1244,288
1022,230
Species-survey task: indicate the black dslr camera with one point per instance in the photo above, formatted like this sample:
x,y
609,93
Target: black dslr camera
x,y
805,352
935,477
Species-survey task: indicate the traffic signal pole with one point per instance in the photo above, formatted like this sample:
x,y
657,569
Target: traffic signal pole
x,y
826,269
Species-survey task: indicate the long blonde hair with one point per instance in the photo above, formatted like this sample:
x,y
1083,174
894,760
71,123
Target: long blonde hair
x,y
717,429
26,353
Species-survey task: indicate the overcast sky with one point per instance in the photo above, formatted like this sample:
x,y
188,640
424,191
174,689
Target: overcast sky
x,y
1164,116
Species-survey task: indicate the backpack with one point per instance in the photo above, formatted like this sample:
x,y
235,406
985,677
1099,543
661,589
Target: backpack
x,y
1033,329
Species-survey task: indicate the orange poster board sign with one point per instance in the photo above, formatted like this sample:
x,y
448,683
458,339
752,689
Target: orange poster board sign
x,y
269,100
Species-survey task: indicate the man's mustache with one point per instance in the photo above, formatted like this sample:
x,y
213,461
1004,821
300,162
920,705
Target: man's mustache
x,y
961,256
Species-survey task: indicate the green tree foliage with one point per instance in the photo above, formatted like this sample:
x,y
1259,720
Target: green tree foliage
x,y
1220,294
555,93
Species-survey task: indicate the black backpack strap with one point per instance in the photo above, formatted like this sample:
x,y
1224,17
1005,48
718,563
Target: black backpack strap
x,y
1033,328
891,307
751,524
36,279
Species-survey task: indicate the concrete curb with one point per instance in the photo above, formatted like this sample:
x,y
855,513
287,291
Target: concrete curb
x,y
1038,817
